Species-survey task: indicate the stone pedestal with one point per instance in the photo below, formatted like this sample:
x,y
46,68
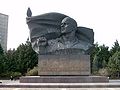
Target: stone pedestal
x,y
64,69
64,65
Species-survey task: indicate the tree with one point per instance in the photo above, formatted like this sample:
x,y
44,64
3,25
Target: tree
x,y
100,58
2,58
16,62
10,61
26,57
2,64
1,50
93,55
115,48
114,65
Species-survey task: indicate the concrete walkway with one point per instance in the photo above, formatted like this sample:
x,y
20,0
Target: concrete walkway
x,y
60,85
15,85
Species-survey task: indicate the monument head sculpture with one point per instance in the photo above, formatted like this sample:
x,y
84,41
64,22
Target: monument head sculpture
x,y
51,33
68,25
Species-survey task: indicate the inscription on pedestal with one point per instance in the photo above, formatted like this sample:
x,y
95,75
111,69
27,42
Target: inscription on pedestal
x,y
64,65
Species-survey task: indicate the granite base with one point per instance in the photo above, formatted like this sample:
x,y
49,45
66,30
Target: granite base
x,y
64,65
64,79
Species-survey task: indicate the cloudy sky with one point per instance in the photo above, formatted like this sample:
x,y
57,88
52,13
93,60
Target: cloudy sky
x,y
103,16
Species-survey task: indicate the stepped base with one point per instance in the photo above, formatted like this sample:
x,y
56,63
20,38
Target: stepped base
x,y
64,79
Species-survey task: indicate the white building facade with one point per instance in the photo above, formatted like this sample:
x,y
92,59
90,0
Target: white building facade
x,y
3,30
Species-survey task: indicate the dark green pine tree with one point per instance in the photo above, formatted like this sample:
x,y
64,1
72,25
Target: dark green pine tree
x,y
10,61
114,65
101,58
115,48
26,57
93,55
1,50
2,58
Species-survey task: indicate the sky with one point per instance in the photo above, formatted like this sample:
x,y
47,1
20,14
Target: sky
x,y
103,16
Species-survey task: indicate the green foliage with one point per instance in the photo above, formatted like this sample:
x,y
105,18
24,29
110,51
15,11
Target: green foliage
x,y
2,60
8,74
100,58
94,51
114,65
93,55
16,62
114,61
26,57
33,72
1,50
115,48
95,66
16,74
10,61
103,72
2,64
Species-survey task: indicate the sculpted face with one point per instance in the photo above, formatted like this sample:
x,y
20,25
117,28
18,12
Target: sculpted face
x,y
68,25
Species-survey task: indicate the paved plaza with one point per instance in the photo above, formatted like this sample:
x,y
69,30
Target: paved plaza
x,y
15,85
17,81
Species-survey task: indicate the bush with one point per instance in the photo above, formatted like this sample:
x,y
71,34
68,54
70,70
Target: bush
x,y
5,75
95,73
15,75
103,72
32,72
